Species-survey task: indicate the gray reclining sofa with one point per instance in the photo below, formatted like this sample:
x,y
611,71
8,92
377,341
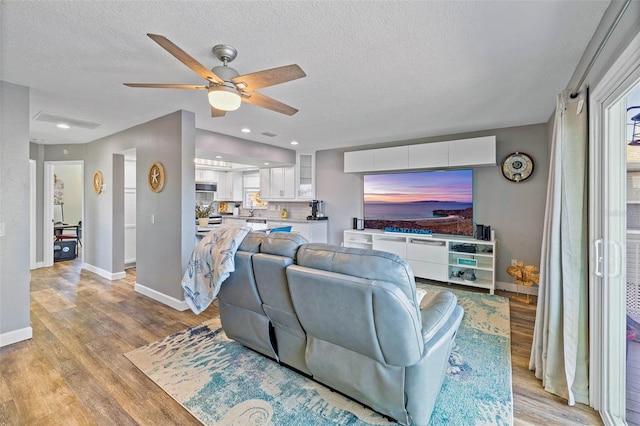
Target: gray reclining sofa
x,y
349,318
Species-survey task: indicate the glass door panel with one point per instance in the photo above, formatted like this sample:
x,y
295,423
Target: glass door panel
x,y
632,297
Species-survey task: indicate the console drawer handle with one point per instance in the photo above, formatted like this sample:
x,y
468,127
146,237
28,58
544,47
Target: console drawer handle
x,y
428,243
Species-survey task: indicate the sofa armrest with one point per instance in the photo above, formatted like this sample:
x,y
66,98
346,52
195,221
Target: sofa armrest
x,y
435,314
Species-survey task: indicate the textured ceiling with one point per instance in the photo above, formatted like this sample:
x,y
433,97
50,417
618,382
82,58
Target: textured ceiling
x,y
376,71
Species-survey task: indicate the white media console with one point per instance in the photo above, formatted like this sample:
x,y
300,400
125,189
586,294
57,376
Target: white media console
x,y
435,258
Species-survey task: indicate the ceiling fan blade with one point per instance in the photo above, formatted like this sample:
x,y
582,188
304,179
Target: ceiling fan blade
x,y
168,86
185,58
271,77
217,112
263,101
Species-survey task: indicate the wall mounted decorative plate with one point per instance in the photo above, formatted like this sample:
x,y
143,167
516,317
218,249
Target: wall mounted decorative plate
x,y
155,177
98,182
517,167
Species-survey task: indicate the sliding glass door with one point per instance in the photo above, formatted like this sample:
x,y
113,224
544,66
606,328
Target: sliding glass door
x,y
612,252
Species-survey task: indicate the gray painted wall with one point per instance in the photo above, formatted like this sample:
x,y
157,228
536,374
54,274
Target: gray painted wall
x,y
14,207
515,211
160,261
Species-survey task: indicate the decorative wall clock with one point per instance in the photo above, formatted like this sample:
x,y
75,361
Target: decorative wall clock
x,y
517,167
155,177
98,182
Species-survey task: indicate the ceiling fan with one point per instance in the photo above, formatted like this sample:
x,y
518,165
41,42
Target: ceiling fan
x,y
227,89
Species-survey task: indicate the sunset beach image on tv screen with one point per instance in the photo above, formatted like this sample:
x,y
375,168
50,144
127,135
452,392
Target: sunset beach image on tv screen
x,y
436,201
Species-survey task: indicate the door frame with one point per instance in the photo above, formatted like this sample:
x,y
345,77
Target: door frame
x,y
32,214
47,207
607,390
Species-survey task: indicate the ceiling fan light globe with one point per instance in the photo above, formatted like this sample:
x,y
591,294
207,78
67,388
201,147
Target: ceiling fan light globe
x,y
224,98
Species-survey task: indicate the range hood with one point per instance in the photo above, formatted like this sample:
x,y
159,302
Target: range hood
x,y
206,187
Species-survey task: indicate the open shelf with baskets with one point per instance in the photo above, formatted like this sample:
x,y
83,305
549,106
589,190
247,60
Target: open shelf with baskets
x,y
472,263
438,258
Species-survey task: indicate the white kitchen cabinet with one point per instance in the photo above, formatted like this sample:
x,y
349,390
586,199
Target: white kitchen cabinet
x,y
229,186
358,161
224,189
428,155
265,184
238,186
204,175
280,182
283,182
305,176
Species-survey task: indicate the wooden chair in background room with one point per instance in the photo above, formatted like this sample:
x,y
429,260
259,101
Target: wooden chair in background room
x,y
77,236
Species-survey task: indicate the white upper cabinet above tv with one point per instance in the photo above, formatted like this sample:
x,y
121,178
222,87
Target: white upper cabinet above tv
x,y
428,155
393,158
358,161
475,152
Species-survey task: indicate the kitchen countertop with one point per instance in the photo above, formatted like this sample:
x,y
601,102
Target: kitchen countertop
x,y
272,219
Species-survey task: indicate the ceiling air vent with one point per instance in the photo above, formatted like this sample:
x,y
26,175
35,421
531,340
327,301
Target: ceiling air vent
x,y
271,135
73,122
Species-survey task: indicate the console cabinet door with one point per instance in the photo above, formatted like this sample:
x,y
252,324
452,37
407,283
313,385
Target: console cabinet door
x,y
428,258
392,244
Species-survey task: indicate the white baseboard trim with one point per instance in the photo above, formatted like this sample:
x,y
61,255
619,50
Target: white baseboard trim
x,y
512,287
15,336
172,302
112,276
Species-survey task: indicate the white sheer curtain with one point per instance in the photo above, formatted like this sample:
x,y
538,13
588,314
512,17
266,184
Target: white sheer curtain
x,y
559,354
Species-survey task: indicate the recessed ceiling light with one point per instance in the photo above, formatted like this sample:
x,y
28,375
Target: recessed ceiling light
x,y
218,156
63,126
294,142
245,130
266,164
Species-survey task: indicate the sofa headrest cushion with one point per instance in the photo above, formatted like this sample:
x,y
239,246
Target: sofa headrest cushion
x,y
252,241
373,265
282,244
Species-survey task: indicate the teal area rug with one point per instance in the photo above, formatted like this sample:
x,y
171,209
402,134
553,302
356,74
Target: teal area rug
x,y
222,383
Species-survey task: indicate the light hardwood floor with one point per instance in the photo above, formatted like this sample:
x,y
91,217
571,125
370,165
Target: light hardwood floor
x,y
73,371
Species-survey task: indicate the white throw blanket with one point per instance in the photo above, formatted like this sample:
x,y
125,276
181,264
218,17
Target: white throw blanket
x,y
212,261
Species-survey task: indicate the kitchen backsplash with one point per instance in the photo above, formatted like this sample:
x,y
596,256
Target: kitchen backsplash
x,y
295,210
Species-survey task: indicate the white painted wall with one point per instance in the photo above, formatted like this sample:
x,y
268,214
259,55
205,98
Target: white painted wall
x,y
129,211
71,176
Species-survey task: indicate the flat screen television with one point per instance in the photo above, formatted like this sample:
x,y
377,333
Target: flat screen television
x,y
440,202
